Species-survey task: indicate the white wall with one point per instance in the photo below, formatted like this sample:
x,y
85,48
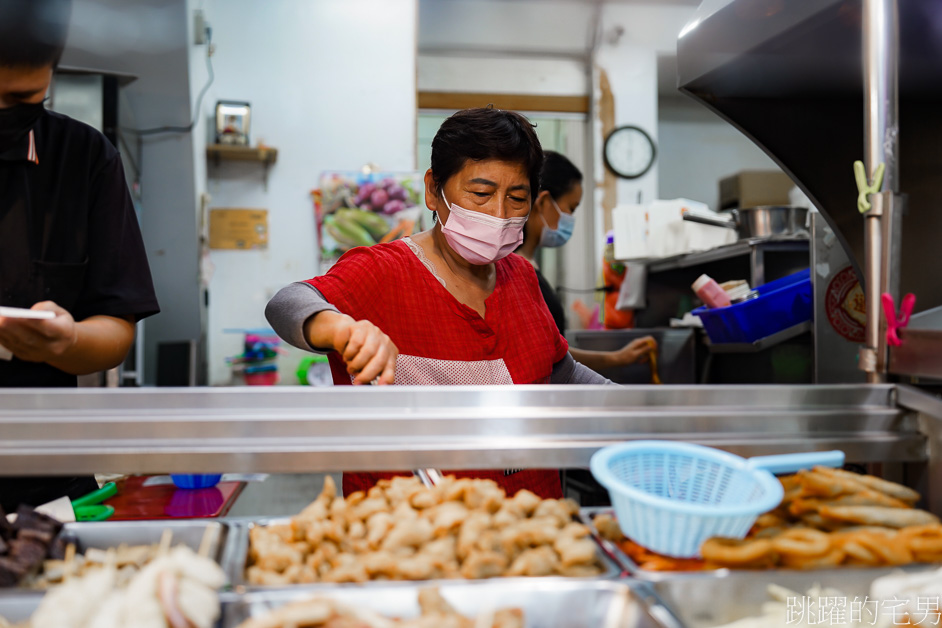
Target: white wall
x,y
332,86
631,37
497,25
502,74
697,149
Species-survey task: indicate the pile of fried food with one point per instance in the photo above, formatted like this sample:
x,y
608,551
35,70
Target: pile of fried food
x,y
827,518
126,559
896,599
178,588
402,530
436,612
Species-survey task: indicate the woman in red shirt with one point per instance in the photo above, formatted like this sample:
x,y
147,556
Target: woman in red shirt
x,y
450,305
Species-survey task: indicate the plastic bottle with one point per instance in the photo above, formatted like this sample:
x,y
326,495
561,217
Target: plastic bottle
x,y
710,292
613,274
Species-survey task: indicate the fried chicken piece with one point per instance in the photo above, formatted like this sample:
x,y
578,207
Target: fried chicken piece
x,y
510,513
608,528
370,506
484,565
418,567
314,612
381,564
405,511
526,501
346,568
574,551
441,551
354,498
357,530
319,507
447,517
312,532
431,602
537,561
509,618
409,534
580,571
342,510
529,533
575,530
376,528
273,554
489,541
484,494
263,577
562,510
426,499
402,489
471,529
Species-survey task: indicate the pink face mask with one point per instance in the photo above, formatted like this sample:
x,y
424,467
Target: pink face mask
x,y
481,239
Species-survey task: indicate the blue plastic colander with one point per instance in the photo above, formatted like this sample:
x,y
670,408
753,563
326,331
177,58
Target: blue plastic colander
x,y
670,497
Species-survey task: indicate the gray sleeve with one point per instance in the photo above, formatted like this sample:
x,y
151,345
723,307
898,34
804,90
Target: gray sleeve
x,y
290,308
568,371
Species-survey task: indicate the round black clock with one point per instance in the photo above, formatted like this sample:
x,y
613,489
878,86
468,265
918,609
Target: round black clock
x,y
629,152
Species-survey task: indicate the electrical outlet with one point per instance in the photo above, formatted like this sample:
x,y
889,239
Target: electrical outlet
x,y
199,27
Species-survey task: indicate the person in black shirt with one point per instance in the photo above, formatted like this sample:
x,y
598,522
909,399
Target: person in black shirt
x,y
69,237
550,224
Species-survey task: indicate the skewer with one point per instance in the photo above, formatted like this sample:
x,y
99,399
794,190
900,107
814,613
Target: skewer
x,y
164,548
209,535
69,565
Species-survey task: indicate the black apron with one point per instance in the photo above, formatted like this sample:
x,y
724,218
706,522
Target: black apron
x,y
25,279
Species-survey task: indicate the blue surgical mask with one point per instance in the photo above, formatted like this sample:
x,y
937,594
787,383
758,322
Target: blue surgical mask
x,y
563,231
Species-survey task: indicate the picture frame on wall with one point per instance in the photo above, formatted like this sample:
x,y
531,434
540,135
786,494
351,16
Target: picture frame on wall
x,y
233,122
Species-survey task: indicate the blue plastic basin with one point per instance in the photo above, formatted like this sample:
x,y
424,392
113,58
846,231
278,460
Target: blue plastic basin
x,y
781,304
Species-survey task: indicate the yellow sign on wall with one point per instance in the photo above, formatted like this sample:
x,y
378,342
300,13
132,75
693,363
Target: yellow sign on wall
x,y
238,229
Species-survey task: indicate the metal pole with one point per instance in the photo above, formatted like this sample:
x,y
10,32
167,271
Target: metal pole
x,y
881,130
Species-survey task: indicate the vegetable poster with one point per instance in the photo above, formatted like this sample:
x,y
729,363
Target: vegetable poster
x,y
365,208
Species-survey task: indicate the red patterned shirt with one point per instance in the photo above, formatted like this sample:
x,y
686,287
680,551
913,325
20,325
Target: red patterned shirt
x,y
441,341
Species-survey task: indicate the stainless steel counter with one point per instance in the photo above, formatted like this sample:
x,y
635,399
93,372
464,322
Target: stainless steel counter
x,y
285,430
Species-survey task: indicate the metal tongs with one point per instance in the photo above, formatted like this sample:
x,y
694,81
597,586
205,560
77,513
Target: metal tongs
x,y
429,477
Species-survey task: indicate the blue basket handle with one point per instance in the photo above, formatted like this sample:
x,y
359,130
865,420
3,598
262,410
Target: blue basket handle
x,y
789,463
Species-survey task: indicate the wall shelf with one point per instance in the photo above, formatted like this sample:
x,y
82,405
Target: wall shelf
x,y
265,155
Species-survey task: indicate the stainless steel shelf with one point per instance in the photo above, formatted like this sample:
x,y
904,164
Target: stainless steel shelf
x,y
290,430
743,247
763,343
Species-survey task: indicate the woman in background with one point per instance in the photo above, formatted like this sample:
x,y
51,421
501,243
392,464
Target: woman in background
x,y
550,224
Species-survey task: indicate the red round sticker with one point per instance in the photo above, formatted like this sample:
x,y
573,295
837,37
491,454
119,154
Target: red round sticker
x,y
846,306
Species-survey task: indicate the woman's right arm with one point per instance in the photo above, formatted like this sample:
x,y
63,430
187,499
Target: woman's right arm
x,y
301,315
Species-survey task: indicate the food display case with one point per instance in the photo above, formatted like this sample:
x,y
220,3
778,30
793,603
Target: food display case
x,y
304,430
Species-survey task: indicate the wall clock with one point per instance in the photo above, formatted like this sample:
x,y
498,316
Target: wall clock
x,y
629,152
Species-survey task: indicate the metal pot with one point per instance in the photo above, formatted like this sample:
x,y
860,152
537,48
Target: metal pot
x,y
760,222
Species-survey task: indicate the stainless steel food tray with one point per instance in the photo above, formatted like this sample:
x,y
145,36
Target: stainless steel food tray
x,y
545,602
18,608
107,534
235,558
704,601
727,583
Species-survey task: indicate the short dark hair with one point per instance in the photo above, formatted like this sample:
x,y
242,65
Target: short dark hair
x,y
558,175
33,32
486,133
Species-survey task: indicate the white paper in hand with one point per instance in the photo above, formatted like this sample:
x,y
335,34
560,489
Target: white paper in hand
x,y
19,312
